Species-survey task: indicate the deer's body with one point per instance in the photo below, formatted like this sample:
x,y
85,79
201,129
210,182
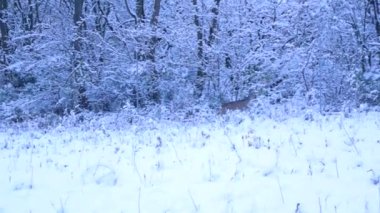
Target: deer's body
x,y
235,105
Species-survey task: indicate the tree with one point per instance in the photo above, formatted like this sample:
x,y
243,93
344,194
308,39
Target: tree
x,y
4,30
200,81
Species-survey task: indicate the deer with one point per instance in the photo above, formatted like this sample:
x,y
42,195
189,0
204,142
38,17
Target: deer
x,y
241,105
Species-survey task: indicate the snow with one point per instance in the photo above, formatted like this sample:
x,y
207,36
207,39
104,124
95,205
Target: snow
x,y
246,164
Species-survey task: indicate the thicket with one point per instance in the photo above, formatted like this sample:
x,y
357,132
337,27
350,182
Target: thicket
x,y
70,56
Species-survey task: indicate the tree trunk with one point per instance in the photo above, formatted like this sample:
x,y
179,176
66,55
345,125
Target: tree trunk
x,y
375,4
156,13
214,23
4,30
82,100
200,80
140,13
101,11
79,23
153,41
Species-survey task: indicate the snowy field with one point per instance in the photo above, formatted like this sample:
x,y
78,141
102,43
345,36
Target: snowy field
x,y
322,164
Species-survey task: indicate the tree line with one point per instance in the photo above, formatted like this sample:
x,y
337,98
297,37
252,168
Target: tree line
x,y
59,56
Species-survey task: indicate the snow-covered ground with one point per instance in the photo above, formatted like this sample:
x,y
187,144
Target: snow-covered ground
x,y
322,164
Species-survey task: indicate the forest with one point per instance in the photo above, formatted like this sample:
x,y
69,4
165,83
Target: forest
x,y
126,106
60,57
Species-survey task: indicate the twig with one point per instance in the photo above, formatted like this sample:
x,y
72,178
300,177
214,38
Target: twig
x,y
139,201
279,186
294,147
134,163
31,167
61,208
210,170
297,208
379,198
277,156
234,149
176,153
352,140
196,207
336,168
